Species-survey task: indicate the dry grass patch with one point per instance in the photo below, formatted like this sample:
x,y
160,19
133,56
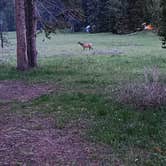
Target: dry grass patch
x,y
149,94
142,95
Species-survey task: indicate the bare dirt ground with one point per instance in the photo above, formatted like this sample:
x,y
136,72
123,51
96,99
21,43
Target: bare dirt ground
x,y
36,140
20,91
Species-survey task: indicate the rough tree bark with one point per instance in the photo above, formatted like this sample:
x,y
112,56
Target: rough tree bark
x,y
26,24
22,58
31,25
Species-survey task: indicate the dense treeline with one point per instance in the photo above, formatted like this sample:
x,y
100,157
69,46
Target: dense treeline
x,y
7,14
117,16
120,16
162,30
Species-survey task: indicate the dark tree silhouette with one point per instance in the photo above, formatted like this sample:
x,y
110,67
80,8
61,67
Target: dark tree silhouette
x,y
162,29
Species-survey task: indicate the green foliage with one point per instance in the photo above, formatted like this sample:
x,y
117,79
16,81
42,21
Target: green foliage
x,y
117,16
162,30
7,10
110,14
92,12
4,22
152,12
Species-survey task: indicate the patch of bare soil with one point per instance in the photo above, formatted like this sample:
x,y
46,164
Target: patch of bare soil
x,y
108,52
36,141
20,91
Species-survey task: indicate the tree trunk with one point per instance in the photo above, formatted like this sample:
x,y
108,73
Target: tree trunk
x,y
1,38
22,59
31,25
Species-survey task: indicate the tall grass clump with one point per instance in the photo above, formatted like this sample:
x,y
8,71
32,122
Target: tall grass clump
x,y
150,93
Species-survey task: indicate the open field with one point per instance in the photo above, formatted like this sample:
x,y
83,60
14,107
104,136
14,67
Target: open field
x,y
82,105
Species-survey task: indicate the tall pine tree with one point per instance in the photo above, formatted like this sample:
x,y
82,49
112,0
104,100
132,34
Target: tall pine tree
x,y
162,29
92,11
109,15
135,13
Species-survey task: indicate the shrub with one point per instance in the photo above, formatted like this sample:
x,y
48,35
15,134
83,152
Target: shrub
x,y
149,94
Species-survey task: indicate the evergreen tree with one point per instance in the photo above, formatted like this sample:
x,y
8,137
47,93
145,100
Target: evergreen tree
x,y
91,11
109,15
135,14
7,8
162,30
122,21
152,12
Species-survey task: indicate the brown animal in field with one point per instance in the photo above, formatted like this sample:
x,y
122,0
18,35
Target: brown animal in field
x,y
86,45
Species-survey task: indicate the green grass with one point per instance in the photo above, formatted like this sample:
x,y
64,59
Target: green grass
x,y
133,134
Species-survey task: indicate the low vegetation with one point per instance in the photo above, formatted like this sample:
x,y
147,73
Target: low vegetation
x,y
143,95
110,95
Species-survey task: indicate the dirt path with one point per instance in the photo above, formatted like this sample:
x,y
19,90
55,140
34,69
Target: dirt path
x,y
36,140
21,91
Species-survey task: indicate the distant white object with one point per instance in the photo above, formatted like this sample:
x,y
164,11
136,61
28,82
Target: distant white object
x,y
87,28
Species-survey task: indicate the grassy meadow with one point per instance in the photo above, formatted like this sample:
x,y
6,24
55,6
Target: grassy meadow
x,y
87,81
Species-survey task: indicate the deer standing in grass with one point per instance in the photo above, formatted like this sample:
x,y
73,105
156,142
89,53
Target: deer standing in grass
x,y
86,45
